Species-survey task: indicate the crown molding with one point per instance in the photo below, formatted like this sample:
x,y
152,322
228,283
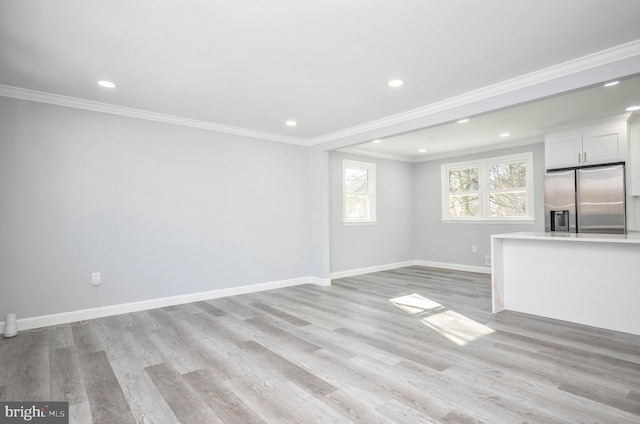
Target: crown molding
x,y
603,57
533,139
615,118
355,151
525,141
73,102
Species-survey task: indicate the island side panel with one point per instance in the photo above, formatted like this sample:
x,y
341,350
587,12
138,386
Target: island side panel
x,y
497,275
596,284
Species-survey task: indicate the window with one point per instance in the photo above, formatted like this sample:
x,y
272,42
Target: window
x,y
359,192
495,189
464,192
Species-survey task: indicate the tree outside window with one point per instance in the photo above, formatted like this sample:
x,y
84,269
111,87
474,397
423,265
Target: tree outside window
x,y
464,192
489,190
508,189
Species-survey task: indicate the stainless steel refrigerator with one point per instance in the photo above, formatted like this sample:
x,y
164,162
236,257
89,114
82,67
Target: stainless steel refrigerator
x,y
586,200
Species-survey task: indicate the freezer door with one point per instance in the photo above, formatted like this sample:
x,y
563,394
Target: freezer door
x,y
560,195
601,200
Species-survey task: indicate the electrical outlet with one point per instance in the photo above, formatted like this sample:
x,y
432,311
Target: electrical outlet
x,y
487,260
474,248
95,278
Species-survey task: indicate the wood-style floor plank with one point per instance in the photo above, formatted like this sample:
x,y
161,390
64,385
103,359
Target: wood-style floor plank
x,y
226,404
184,401
105,395
66,379
411,345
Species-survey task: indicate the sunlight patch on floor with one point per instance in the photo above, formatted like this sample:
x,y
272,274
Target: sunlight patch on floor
x,y
415,304
456,327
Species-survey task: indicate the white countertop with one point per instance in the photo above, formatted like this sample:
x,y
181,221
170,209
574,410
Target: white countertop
x,y
633,238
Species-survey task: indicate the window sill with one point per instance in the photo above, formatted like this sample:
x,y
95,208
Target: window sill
x,y
352,223
489,221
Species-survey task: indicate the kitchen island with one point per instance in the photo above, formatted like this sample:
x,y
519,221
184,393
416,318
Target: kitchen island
x,y
591,279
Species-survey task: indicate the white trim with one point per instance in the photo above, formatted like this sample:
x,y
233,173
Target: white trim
x,y
590,61
325,282
368,270
489,221
56,99
105,311
482,149
611,119
455,267
534,139
124,308
355,151
356,223
387,267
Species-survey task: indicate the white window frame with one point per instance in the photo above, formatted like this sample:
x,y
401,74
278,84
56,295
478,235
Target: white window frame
x,y
484,192
371,186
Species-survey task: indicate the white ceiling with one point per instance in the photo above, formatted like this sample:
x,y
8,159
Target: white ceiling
x,y
526,123
248,66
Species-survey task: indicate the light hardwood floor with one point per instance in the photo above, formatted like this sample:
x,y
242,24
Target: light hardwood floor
x,y
412,345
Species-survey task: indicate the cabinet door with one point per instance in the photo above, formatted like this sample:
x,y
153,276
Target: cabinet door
x,y
603,146
563,150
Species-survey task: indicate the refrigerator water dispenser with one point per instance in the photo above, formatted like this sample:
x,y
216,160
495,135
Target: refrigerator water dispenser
x,y
560,221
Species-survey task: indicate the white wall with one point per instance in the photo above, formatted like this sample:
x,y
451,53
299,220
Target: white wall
x,y
387,242
160,210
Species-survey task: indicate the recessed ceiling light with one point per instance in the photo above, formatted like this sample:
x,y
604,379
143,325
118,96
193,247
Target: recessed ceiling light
x,y
505,134
376,141
422,150
395,83
611,83
106,84
633,108
291,123
463,120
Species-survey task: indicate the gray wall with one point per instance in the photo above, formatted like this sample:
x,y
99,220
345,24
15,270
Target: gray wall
x,y
163,210
160,210
387,242
451,242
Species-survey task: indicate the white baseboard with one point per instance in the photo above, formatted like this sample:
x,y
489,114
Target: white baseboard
x,y
124,308
455,267
104,311
378,268
368,270
320,281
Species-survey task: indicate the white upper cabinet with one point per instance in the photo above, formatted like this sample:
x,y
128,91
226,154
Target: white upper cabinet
x,y
604,145
589,145
563,150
